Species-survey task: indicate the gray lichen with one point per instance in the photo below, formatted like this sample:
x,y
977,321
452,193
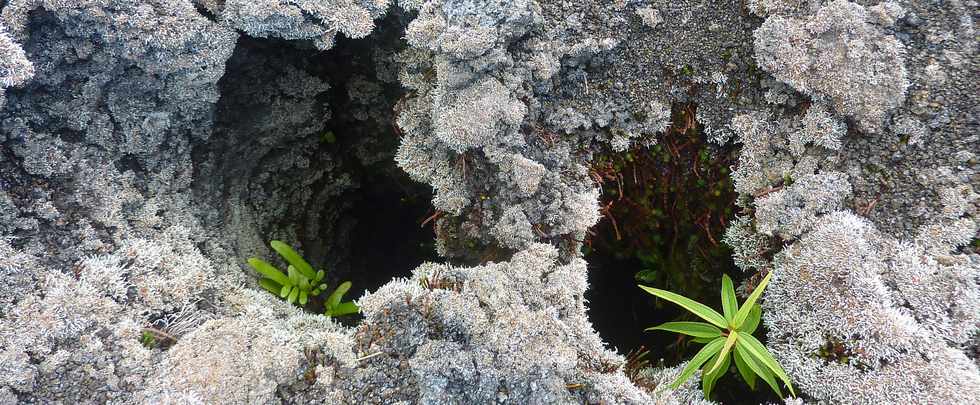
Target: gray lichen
x,y
147,147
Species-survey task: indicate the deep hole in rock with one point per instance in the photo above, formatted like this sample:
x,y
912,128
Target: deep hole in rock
x,y
303,152
668,207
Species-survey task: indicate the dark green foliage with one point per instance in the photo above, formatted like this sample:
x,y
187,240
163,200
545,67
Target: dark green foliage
x,y
301,283
667,207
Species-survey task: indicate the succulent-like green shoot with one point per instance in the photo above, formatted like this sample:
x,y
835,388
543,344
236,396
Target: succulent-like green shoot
x,y
334,306
728,335
300,283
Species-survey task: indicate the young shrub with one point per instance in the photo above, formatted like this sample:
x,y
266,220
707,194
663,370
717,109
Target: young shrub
x,y
727,335
300,283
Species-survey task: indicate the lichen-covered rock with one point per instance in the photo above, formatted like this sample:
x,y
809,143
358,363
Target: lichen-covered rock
x,y
15,69
513,331
146,148
319,21
245,358
855,290
839,54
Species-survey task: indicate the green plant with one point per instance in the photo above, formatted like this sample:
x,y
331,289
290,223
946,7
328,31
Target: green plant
x,y
334,307
300,283
148,340
727,336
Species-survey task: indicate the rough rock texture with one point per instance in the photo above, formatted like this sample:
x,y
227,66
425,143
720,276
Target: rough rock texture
x,y
147,148
858,314
841,54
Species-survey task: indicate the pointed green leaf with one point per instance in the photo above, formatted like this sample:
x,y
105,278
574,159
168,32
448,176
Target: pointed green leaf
x,y
293,258
702,356
729,342
268,271
344,308
270,285
302,297
729,305
293,294
747,374
743,312
752,322
696,329
759,353
695,307
702,340
334,299
759,369
708,380
285,291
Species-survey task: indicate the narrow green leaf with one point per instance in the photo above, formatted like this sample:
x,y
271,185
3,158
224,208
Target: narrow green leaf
x,y
747,374
293,258
729,342
270,285
729,304
708,380
752,322
702,340
344,308
285,291
268,271
702,356
759,369
334,299
743,312
760,354
695,307
293,294
696,329
302,297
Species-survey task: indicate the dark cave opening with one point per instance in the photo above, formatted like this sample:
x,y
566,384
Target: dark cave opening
x,y
381,232
665,209
315,163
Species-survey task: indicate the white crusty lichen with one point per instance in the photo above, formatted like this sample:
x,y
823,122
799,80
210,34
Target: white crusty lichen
x,y
793,210
517,327
839,54
316,20
475,115
766,7
650,16
956,225
748,246
853,315
819,127
244,358
465,31
15,69
893,318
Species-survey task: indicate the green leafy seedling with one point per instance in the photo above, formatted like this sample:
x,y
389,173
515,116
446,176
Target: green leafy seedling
x,y
148,340
334,306
301,282
727,335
